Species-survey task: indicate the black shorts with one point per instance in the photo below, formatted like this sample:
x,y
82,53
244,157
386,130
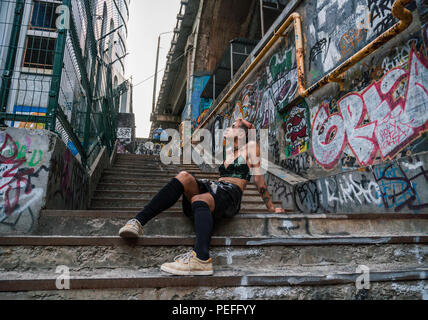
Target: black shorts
x,y
227,198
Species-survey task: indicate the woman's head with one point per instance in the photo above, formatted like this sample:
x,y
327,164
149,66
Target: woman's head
x,y
239,130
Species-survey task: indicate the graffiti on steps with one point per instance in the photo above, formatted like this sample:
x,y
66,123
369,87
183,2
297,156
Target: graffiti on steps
x,y
17,193
384,118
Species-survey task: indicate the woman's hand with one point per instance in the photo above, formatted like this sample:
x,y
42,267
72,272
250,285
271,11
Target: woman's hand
x,y
277,210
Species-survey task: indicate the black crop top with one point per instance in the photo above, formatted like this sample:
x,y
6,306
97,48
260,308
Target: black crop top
x,y
238,169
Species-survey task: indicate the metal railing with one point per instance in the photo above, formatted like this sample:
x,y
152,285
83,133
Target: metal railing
x,y
55,75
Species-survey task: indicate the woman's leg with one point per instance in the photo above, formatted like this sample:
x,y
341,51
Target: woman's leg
x,y
197,262
183,183
203,205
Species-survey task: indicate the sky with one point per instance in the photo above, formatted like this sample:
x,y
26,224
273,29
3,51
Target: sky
x,y
147,20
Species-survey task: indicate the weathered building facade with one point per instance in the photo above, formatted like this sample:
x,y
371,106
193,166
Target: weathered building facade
x,y
27,58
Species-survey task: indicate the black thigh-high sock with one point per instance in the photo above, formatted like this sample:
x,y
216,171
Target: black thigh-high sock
x,y
204,228
163,200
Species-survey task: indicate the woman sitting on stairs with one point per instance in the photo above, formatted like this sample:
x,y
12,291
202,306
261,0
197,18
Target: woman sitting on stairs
x,y
204,200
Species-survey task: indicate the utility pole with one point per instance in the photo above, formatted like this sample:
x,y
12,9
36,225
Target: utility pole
x,y
262,18
156,71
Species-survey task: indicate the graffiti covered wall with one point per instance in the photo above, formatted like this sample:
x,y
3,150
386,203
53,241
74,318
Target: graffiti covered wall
x,y
37,171
362,144
398,186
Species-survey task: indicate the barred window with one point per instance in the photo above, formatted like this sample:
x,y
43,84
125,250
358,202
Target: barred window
x,y
41,36
39,52
43,16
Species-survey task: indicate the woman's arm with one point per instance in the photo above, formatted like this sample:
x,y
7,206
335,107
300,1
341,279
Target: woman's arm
x,y
264,193
259,179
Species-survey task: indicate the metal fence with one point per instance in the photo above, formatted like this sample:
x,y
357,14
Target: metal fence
x,y
55,75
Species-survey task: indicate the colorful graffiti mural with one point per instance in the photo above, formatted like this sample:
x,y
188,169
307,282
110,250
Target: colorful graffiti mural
x,y
266,95
383,118
296,130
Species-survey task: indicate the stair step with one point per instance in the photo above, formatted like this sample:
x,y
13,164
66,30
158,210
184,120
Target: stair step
x,y
149,194
153,278
43,252
105,199
137,203
126,196
153,163
216,241
144,180
143,185
152,170
175,223
160,174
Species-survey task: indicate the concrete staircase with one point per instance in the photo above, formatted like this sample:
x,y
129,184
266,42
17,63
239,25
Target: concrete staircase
x,y
257,255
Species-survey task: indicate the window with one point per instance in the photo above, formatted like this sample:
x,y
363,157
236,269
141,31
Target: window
x,y
39,52
41,36
43,16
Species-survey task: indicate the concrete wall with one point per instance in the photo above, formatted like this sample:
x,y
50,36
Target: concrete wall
x,y
37,171
68,183
397,186
24,167
340,136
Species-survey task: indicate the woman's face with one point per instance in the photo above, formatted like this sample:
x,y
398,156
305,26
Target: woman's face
x,y
235,130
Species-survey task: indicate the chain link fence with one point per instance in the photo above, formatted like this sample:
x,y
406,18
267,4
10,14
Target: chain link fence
x,y
55,74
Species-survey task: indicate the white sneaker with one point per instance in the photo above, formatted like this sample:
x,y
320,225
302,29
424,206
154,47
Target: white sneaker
x,y
132,229
189,265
